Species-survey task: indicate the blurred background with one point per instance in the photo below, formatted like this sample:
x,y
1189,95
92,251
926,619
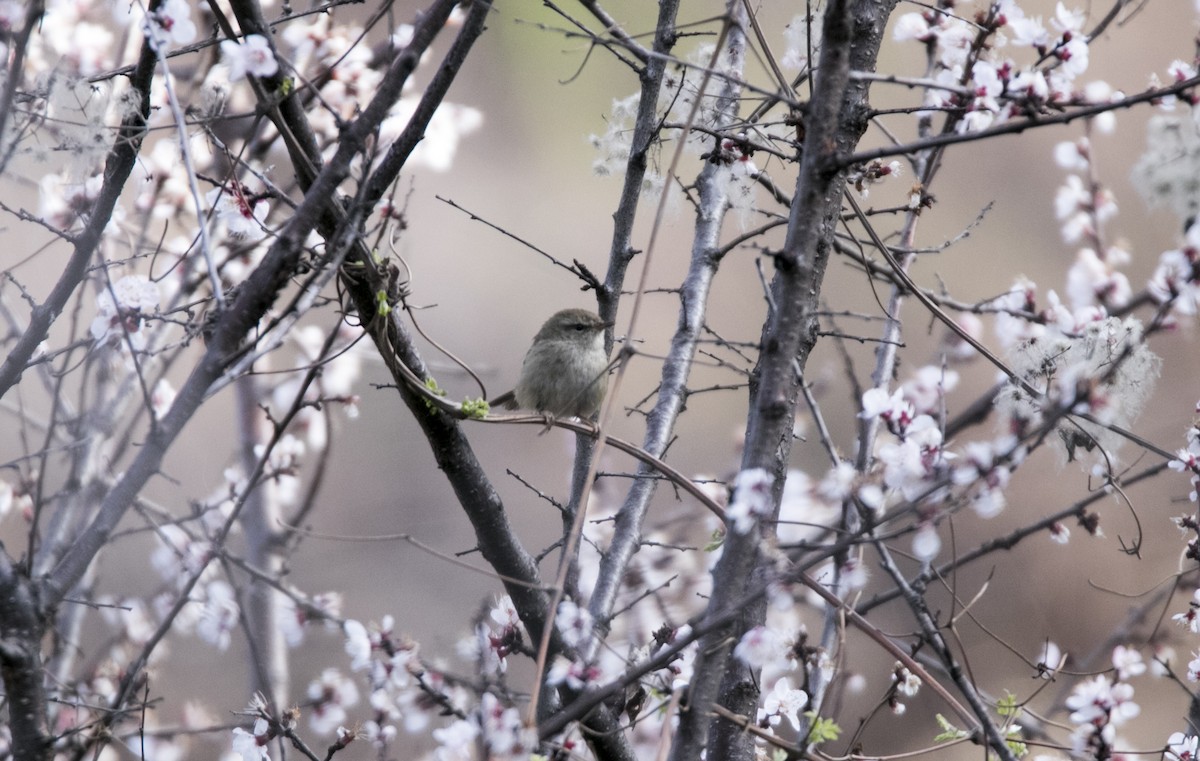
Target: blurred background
x,y
528,169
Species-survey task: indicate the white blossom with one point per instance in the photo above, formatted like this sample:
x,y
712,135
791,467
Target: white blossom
x,y
758,646
751,499
252,56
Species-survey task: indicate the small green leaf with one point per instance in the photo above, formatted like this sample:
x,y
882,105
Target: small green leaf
x,y
1008,705
823,730
718,538
432,384
476,409
382,307
1014,743
949,731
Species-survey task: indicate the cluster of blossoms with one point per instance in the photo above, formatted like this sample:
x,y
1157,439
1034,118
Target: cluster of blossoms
x,y
577,628
75,42
1180,746
252,744
1103,703
1188,460
974,75
495,728
404,693
403,689
1176,280
765,648
494,639
1076,356
873,173
913,462
915,458
329,53
121,312
752,501
905,684
400,688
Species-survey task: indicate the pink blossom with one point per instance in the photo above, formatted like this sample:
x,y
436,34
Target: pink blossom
x,y
926,543
1176,279
574,623
1073,155
252,746
1074,56
504,733
912,26
894,410
1051,660
162,397
575,674
1028,31
758,646
329,697
242,213
1032,85
456,741
1092,281
173,21
504,613
955,39
1098,702
252,56
1128,662
1068,20
1060,533
1181,747
358,644
751,499
220,615
928,386
907,683
122,312
1191,617
783,702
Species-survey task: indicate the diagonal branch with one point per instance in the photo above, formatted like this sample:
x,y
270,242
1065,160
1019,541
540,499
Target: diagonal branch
x,y
254,298
116,172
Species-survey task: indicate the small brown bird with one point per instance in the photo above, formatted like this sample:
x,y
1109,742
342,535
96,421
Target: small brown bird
x,y
565,370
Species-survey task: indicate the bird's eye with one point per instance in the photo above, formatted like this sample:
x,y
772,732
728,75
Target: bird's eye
x,y
580,326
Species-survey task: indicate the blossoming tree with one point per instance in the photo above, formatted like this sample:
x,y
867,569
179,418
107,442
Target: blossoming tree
x,y
220,183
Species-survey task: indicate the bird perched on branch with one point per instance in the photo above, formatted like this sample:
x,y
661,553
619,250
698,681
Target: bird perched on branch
x,y
565,372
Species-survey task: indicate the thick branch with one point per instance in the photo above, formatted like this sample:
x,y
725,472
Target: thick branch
x,y
645,132
834,122
18,44
21,631
672,392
